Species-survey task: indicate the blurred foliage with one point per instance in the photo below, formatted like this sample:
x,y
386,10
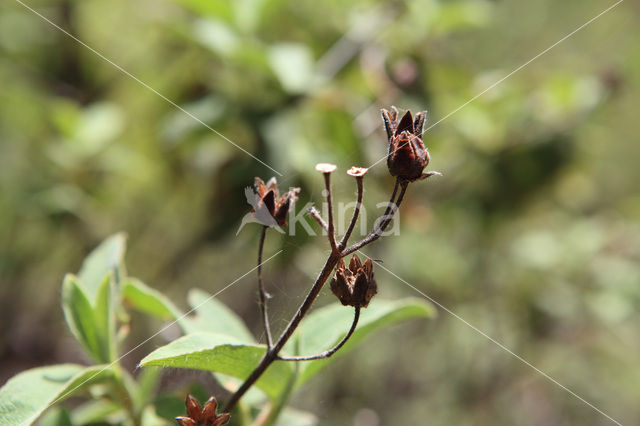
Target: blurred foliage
x,y
532,235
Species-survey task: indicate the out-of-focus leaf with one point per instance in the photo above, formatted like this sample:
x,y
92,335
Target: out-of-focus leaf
x,y
80,317
25,396
148,300
105,319
215,317
216,35
220,9
214,352
293,65
58,416
108,256
326,326
94,411
292,417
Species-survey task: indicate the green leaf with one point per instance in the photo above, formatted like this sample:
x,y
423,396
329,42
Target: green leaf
x,y
293,417
149,300
94,411
58,416
293,65
80,317
214,352
220,9
326,326
25,396
108,256
106,319
214,316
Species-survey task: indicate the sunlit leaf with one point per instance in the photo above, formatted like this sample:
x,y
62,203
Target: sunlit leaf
x,y
215,317
25,396
326,326
80,317
108,256
105,318
149,300
214,352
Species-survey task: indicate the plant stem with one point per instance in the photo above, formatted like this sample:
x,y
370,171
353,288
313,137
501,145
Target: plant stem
x,y
328,353
263,296
386,219
356,213
272,354
315,214
331,231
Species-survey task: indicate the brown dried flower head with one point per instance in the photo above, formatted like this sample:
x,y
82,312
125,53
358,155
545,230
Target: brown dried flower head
x,y
355,285
407,155
271,208
202,416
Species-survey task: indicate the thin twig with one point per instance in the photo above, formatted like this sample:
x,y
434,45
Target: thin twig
x,y
263,295
356,213
315,214
331,231
385,219
327,353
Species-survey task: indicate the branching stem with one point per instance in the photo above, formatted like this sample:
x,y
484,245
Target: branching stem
x,y
327,353
272,352
356,213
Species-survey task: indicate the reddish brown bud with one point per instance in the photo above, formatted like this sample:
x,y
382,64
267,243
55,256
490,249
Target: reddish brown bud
x,y
270,208
199,416
355,285
407,155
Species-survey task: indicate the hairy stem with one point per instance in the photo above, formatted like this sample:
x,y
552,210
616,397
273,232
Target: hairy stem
x,y
315,214
263,296
328,353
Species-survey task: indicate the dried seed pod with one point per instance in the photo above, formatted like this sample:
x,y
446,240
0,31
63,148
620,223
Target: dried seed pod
x,y
202,416
355,285
271,208
407,156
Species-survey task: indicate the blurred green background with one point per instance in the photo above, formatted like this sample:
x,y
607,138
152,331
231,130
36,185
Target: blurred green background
x,y
532,235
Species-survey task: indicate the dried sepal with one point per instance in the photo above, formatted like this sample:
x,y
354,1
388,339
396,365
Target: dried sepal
x,y
202,416
271,209
407,157
355,285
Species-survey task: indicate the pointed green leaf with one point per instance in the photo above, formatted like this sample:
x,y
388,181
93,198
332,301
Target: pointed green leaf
x,y
25,396
214,352
106,319
80,317
214,316
108,256
149,300
326,326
